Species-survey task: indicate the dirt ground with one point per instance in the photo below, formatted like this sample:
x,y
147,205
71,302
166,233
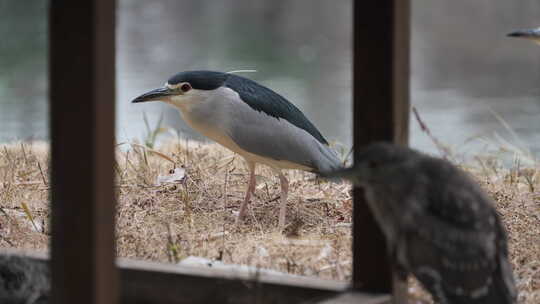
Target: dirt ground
x,y
167,221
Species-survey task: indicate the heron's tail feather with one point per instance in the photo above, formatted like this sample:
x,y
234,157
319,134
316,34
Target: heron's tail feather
x,y
346,173
339,174
501,289
328,161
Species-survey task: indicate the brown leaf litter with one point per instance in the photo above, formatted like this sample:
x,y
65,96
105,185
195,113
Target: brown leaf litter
x,y
181,200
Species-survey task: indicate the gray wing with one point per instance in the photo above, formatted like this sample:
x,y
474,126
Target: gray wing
x,y
262,99
278,139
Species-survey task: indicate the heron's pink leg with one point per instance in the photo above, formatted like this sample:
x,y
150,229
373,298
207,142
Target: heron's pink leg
x,y
250,189
284,193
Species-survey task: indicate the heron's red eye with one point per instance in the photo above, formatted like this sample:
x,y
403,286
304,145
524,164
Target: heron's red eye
x,y
185,87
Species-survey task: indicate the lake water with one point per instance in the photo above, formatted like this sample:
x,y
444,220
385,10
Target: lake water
x,y
465,72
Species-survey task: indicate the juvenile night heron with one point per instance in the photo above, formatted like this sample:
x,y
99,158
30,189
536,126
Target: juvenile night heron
x,y
438,223
24,280
531,34
251,120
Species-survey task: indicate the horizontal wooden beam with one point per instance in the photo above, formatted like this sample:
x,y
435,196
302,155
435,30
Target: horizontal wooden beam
x,y
357,297
150,282
146,282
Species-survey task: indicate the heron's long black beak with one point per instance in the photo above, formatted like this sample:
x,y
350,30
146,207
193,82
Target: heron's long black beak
x,y
530,34
153,95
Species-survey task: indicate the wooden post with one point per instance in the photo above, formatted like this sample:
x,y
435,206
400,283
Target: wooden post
x,y
82,91
381,110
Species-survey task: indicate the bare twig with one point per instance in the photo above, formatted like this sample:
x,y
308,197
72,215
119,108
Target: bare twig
x,y
24,154
42,175
29,215
145,148
446,153
7,154
5,213
172,250
7,241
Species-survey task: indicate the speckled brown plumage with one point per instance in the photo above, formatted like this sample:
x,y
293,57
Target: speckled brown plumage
x,y
439,224
23,280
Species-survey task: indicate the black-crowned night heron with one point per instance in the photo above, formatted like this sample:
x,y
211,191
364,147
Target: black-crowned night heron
x,y
251,120
531,34
438,223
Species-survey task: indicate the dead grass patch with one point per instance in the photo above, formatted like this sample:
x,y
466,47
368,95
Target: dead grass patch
x,y
168,222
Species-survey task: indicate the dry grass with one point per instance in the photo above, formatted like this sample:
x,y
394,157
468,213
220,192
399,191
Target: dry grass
x,y
169,222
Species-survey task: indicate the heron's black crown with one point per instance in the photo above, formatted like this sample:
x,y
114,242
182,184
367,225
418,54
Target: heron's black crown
x,y
258,97
200,80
